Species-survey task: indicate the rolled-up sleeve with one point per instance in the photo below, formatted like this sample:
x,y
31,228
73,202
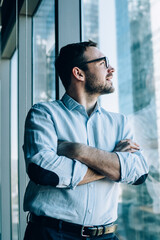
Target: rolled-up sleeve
x,y
40,151
134,167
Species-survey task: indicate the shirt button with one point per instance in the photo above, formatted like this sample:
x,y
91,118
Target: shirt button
x,y
90,210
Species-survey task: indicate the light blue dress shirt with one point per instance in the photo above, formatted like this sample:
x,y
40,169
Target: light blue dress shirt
x,y
94,203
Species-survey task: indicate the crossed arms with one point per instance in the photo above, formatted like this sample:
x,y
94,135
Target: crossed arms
x,y
101,163
66,165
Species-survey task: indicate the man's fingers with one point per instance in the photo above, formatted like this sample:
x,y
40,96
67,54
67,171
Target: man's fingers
x,y
127,141
136,144
126,149
127,145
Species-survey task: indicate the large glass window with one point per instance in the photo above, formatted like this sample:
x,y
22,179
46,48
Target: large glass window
x,y
44,52
14,147
128,32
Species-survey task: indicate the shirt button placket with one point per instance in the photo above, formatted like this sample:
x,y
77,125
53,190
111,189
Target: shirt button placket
x,y
90,210
90,185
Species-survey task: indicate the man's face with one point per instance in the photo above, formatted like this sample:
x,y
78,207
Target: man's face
x,y
98,76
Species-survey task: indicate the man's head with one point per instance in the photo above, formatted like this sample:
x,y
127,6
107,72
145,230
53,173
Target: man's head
x,y
85,59
70,56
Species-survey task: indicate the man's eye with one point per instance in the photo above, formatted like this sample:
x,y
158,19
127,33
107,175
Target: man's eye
x,y
103,63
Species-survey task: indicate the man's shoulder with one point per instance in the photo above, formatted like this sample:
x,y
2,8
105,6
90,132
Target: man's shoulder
x,y
46,108
47,105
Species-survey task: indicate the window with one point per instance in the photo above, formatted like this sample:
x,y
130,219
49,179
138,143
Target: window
x,y
14,147
128,32
44,52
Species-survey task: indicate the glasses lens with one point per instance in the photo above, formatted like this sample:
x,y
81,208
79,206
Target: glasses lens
x,y
107,62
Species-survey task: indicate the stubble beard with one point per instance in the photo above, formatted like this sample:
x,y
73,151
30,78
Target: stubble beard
x,y
92,87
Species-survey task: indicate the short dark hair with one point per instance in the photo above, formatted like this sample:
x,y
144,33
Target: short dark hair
x,y
70,56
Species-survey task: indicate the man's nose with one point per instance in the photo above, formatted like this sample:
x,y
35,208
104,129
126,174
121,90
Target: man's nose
x,y
111,69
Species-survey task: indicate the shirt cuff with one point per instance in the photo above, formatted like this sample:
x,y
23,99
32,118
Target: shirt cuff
x,y
71,181
133,166
79,172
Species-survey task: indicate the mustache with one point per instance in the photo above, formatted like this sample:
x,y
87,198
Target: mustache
x,y
109,75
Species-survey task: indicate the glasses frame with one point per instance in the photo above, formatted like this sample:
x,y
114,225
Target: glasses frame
x,y
96,60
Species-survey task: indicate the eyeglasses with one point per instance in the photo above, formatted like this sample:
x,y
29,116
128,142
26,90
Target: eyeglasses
x,y
96,60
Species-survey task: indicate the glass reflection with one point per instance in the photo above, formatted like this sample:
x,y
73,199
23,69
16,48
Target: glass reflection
x,y
137,25
44,52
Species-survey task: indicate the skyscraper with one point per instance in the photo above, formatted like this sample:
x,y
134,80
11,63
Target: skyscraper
x,y
124,57
135,55
91,20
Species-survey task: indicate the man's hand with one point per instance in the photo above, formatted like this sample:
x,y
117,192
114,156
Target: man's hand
x,y
127,145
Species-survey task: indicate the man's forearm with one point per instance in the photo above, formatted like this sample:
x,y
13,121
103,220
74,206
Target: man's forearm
x,y
91,176
105,163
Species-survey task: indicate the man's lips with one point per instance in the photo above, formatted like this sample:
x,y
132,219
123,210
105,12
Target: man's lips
x,y
109,77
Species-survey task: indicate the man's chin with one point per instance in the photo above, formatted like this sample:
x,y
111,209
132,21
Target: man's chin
x,y
108,91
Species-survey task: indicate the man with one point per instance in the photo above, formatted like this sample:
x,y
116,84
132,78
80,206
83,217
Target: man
x,y
77,153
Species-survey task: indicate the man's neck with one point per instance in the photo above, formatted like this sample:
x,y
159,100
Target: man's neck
x,y
87,100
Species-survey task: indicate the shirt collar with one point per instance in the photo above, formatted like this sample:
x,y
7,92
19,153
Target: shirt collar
x,y
71,104
97,107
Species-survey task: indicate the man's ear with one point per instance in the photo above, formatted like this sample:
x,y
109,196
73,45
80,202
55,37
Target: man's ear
x,y
78,73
